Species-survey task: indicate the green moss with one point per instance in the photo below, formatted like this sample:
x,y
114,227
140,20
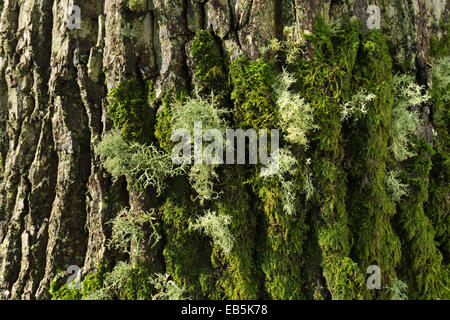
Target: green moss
x,y
63,292
163,129
186,252
163,126
123,282
253,96
2,167
438,205
91,283
130,112
138,286
326,83
372,209
136,5
282,258
421,259
337,276
282,199
94,281
239,276
441,47
210,68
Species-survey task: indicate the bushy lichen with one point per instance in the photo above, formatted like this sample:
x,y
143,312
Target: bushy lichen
x,y
129,232
216,227
167,289
398,290
207,112
296,116
405,121
144,165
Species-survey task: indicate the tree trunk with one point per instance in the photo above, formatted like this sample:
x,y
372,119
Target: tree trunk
x,y
55,195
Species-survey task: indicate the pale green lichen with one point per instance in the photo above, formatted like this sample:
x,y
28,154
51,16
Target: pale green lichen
x,y
167,289
356,108
296,116
396,189
144,165
216,226
408,96
129,232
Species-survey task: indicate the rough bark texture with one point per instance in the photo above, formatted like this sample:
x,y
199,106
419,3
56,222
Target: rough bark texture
x,y
55,197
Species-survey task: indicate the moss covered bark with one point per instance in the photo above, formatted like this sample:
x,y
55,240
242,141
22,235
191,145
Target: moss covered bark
x,y
310,232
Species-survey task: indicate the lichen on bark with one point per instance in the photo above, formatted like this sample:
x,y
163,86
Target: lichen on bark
x,y
56,196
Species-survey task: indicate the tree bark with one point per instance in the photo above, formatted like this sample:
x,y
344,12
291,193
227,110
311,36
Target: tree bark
x,y
55,196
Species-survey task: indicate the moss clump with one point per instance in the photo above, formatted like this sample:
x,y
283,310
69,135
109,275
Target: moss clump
x,y
128,282
123,282
371,207
337,276
283,246
438,206
2,167
253,95
137,5
163,129
163,126
186,253
441,47
91,284
326,83
64,292
421,259
239,276
210,68
130,112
